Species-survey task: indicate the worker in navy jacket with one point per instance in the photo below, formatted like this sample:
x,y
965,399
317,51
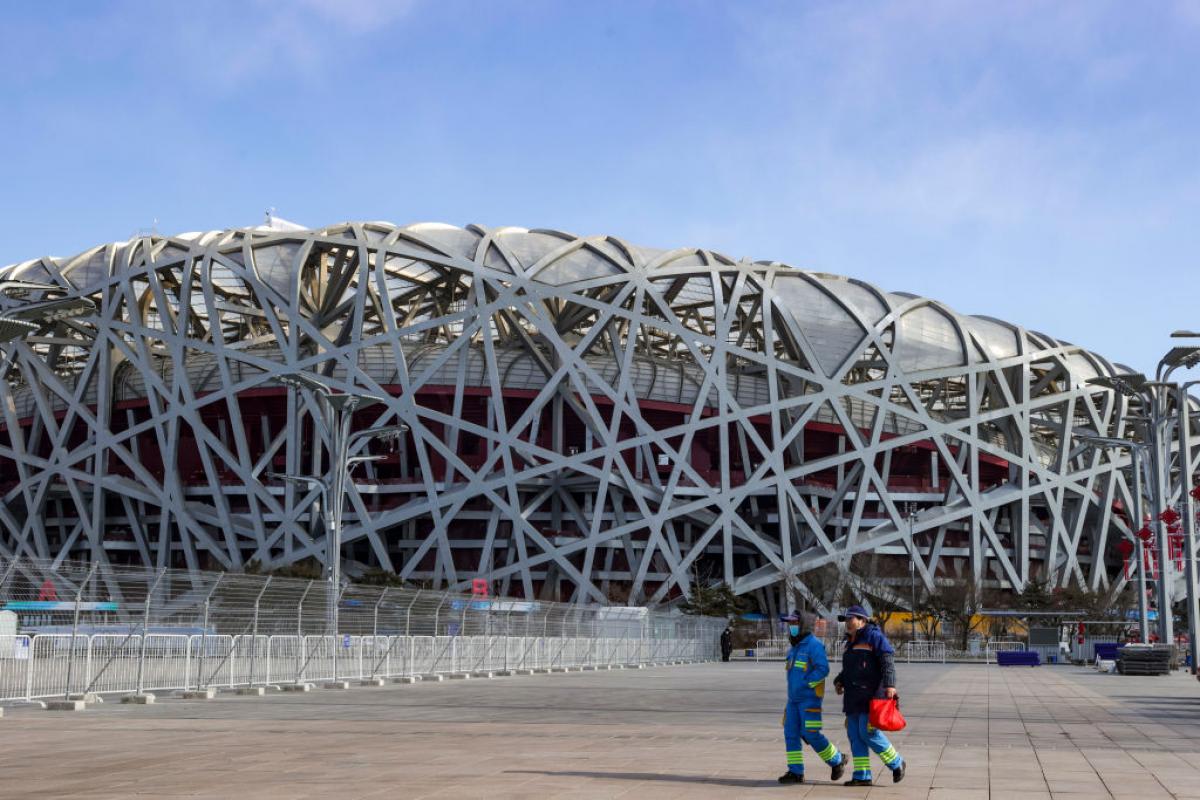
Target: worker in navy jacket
x,y
807,667
868,672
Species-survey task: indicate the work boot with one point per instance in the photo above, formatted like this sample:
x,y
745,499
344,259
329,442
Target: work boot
x,y
790,777
898,772
858,782
838,770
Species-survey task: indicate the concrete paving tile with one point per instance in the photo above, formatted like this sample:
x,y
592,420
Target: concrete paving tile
x,y
709,731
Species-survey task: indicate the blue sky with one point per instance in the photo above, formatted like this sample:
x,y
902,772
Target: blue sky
x,y
1037,162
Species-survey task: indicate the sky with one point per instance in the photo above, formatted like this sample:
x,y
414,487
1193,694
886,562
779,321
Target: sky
x,y
1038,162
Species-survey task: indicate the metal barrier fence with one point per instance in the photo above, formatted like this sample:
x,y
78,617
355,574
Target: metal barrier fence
x,y
776,649
918,651
102,629
770,649
162,662
1000,646
922,651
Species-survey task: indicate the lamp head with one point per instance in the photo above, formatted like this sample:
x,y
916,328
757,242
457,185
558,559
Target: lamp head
x,y
18,288
1187,356
1129,384
301,380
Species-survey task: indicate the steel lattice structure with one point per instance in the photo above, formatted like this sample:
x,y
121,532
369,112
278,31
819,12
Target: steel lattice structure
x,y
590,420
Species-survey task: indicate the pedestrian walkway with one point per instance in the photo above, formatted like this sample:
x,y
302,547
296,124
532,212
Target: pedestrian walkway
x,y
696,731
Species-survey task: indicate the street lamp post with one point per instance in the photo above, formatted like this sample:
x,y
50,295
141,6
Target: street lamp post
x,y
912,574
1166,623
1187,495
1175,358
1136,385
1135,452
339,409
1156,396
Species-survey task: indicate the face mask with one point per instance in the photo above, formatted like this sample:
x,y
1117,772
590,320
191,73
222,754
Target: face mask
x,y
794,630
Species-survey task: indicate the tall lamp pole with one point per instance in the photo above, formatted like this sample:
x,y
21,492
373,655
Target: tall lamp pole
x,y
912,574
1156,396
1188,494
1136,451
1175,358
339,408
1135,385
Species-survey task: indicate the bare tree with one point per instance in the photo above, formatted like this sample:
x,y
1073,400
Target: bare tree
x,y
874,583
959,602
928,615
829,586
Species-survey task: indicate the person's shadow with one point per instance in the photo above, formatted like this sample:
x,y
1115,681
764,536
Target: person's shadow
x,y
651,776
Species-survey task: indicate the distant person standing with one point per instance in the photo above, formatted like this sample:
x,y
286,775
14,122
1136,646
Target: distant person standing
x,y
868,672
726,643
807,667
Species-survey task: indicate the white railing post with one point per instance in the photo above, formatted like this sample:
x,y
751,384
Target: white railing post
x,y
254,631
141,670
75,631
525,639
337,639
437,614
375,635
300,642
462,631
201,681
412,644
30,668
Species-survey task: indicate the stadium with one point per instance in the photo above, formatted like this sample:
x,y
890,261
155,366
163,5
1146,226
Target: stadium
x,y
582,419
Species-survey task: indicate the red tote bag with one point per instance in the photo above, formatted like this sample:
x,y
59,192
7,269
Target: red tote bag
x,y
885,715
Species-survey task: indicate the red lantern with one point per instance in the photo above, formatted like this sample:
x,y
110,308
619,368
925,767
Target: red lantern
x,y
1145,534
1175,546
1195,493
1170,516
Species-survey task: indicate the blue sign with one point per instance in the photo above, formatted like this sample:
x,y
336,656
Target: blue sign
x,y
345,640
58,605
473,605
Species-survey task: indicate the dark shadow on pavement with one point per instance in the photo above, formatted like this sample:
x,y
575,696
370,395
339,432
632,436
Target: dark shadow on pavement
x,y
651,776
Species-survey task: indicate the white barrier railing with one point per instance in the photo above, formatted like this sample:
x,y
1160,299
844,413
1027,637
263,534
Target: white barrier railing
x,y
50,665
771,649
1000,645
921,651
776,650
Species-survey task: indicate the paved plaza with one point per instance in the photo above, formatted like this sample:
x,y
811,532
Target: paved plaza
x,y
696,731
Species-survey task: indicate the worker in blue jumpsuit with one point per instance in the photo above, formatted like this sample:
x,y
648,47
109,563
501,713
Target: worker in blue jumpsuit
x,y
807,667
868,672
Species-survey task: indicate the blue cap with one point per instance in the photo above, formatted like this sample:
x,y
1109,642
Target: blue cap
x,y
854,611
790,617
